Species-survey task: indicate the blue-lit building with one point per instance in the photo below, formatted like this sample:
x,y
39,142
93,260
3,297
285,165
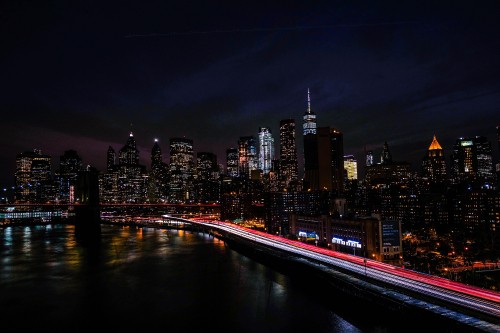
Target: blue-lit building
x,y
266,150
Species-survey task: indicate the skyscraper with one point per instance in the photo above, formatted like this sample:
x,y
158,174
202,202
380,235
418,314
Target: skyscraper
x,y
70,164
351,167
330,159
369,158
207,187
266,150
232,161
110,159
129,153
309,125
337,152
434,164
181,170
156,156
33,176
288,165
131,175
471,160
311,176
386,156
247,155
108,182
158,190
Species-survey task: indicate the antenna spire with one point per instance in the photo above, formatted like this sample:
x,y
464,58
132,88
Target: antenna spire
x,y
308,101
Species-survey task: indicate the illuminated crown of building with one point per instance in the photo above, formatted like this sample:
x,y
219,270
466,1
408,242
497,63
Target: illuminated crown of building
x,y
435,144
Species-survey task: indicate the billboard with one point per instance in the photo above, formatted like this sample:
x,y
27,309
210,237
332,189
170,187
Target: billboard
x,y
390,233
308,235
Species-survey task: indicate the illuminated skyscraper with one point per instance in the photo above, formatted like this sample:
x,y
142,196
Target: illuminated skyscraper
x,y
129,153
131,175
33,177
247,154
351,166
232,161
266,150
288,165
181,170
311,176
309,125
434,164
158,189
369,158
472,160
156,156
108,182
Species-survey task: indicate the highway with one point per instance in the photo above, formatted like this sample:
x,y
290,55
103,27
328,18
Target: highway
x,y
464,296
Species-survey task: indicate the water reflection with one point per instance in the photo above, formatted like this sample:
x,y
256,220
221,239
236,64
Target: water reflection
x,y
145,279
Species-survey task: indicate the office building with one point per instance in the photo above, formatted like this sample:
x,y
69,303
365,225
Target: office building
x,y
472,161
265,150
351,167
181,170
434,164
288,163
247,156
232,161
33,177
70,164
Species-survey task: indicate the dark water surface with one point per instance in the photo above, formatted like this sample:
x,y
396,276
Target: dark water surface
x,y
145,279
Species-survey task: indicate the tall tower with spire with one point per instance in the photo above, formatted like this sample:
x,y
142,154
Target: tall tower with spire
x,y
311,166
434,164
309,125
129,153
156,156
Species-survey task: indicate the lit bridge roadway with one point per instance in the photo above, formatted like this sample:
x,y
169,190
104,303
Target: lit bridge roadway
x,y
476,300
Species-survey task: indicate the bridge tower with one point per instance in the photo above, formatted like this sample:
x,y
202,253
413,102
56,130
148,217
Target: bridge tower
x,y
87,213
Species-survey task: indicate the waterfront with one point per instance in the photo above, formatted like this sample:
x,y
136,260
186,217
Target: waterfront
x,y
145,278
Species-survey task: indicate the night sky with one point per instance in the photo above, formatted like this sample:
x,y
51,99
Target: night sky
x,y
82,75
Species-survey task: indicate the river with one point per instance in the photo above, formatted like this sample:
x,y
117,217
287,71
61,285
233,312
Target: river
x,y
144,279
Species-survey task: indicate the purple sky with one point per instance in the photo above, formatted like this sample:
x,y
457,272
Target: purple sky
x,y
81,75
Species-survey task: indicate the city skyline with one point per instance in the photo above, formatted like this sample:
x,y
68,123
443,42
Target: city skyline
x,y
82,76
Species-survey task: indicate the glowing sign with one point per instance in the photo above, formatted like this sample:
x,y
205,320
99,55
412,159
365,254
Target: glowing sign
x,y
390,233
349,242
308,235
466,143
